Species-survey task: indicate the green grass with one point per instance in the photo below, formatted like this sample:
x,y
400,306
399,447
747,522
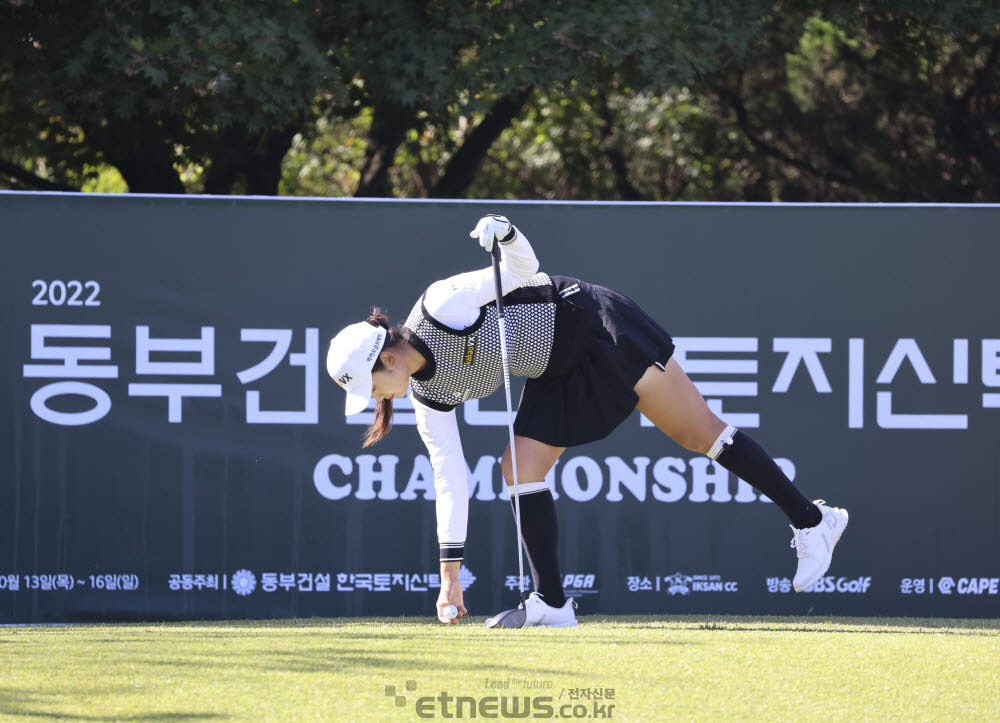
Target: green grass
x,y
661,668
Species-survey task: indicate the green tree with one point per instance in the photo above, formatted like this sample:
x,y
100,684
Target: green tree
x,y
859,104
150,87
877,106
709,99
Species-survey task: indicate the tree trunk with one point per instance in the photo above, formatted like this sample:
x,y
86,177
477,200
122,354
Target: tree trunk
x,y
29,180
616,159
389,127
254,157
141,154
462,167
263,169
969,121
226,165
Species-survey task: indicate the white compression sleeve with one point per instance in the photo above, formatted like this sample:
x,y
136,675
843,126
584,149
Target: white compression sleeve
x,y
724,440
528,488
455,301
439,430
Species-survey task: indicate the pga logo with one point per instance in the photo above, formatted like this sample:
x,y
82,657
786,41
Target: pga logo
x,y
842,584
578,582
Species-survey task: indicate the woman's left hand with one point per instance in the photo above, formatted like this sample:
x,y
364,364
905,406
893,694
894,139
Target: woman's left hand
x,y
492,228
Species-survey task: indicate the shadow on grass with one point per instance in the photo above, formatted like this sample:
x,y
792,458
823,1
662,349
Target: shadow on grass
x,y
19,703
987,627
141,716
392,632
321,661
384,627
337,659
403,627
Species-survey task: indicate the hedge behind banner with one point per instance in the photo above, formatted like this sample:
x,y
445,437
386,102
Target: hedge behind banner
x,y
172,447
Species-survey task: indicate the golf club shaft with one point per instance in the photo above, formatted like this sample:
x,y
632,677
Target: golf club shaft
x,y
510,414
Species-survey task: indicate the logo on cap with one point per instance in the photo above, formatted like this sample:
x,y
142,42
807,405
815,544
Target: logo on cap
x,y
375,348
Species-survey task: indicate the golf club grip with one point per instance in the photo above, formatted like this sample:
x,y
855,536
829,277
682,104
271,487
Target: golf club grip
x,y
495,253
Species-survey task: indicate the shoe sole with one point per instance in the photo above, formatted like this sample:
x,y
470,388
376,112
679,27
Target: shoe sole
x,y
829,556
571,624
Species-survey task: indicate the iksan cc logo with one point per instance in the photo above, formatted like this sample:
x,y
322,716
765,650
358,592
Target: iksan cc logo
x,y
683,584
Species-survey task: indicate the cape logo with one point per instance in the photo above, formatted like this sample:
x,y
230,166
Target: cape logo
x,y
344,379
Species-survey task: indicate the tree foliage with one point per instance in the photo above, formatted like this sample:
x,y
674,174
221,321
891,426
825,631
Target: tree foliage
x,y
147,86
877,107
694,99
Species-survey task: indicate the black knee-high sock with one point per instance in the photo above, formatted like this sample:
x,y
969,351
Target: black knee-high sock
x,y
540,532
748,461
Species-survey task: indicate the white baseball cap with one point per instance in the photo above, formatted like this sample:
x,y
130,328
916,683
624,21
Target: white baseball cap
x,y
353,353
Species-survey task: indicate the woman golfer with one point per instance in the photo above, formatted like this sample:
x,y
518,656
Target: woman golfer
x,y
591,356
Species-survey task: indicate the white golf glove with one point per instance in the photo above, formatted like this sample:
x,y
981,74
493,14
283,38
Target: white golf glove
x,y
493,227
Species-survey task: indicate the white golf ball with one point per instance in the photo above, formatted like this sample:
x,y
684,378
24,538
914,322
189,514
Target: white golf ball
x,y
451,612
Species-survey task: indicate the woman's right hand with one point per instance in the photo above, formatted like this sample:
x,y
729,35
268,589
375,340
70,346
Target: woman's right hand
x,y
451,592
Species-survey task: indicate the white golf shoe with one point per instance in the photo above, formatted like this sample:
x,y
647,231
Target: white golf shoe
x,y
539,614
814,545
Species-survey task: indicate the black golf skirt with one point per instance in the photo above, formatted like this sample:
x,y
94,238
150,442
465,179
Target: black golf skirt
x,y
603,345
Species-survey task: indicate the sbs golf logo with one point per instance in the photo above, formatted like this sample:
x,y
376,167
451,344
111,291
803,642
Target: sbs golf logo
x,y
841,584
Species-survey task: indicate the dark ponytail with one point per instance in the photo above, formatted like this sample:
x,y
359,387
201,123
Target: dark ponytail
x,y
383,409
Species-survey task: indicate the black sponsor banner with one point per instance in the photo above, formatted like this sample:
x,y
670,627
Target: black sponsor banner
x,y
172,446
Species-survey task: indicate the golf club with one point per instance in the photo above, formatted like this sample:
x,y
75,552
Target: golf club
x,y
509,618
